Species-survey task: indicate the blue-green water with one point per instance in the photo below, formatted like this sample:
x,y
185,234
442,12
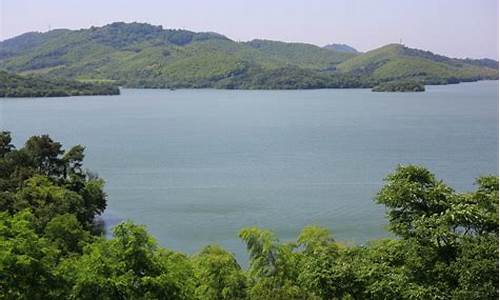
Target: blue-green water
x,y
196,166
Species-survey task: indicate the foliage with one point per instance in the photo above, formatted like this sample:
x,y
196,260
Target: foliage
x,y
129,266
424,208
399,86
37,86
26,259
49,181
218,275
446,246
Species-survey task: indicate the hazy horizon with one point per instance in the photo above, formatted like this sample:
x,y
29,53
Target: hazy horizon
x,y
452,28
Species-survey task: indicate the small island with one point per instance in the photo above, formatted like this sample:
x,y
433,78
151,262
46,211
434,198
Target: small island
x,y
37,86
399,86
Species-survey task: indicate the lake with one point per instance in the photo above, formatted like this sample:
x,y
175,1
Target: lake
x,y
196,166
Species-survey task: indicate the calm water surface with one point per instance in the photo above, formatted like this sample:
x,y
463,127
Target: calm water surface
x,y
196,166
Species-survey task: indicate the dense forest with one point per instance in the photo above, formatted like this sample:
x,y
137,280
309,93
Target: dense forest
x,y
36,86
51,246
140,55
399,86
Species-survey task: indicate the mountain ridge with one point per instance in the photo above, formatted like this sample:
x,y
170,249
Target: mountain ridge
x,y
341,48
144,55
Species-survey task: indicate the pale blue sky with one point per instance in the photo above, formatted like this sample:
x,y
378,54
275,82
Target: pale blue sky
x,y
458,28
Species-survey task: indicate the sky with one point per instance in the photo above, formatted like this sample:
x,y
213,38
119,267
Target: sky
x,y
456,28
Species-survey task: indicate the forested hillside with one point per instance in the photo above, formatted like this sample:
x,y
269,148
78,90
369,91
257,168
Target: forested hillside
x,y
142,55
52,248
36,86
395,61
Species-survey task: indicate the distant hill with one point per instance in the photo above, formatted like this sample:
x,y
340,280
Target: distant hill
x,y
300,54
143,55
395,61
341,48
34,86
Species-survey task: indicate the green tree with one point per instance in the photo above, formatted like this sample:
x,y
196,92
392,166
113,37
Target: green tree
x,y
47,200
26,260
439,227
45,154
323,268
476,268
49,180
415,200
5,143
67,234
73,159
129,266
273,267
219,276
